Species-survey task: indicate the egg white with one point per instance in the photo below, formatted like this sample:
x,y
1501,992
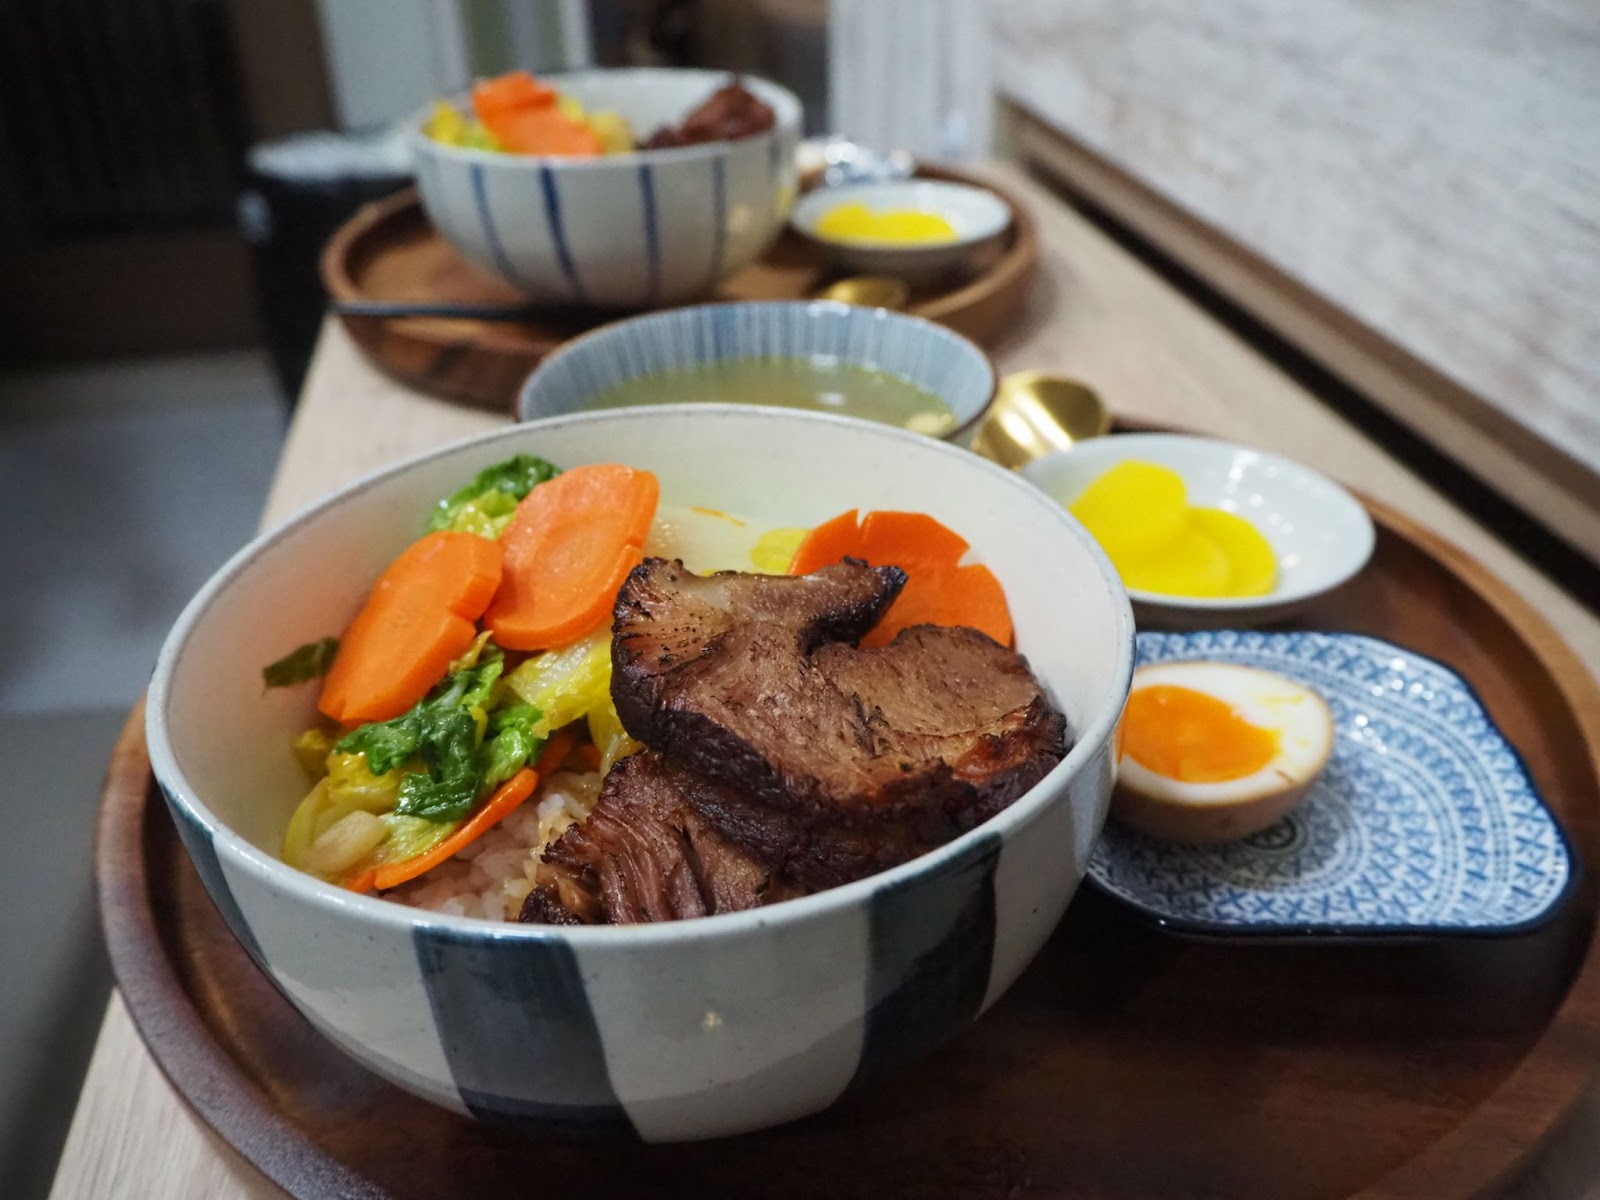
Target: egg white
x,y
1230,808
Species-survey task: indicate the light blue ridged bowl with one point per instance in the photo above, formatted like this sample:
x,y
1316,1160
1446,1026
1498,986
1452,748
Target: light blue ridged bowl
x,y
622,230
937,359
1424,823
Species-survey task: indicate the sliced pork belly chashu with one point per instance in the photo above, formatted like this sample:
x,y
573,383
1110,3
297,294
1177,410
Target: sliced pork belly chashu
x,y
653,849
835,762
645,854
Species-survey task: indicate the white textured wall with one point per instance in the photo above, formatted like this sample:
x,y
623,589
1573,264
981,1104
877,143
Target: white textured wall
x,y
1431,166
386,58
912,75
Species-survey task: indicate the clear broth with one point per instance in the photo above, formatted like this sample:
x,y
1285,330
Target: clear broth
x,y
821,384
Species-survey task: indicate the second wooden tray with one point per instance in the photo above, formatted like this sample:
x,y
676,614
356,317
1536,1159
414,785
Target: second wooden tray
x,y
390,252
1123,1063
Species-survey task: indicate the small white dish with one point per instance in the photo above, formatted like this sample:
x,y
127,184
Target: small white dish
x,y
977,215
1319,532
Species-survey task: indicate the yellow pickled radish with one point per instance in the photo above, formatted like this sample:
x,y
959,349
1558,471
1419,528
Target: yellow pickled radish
x,y
613,131
1255,566
775,549
1139,512
446,124
855,222
1133,510
1191,564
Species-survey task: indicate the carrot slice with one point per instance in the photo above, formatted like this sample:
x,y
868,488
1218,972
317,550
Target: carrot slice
x,y
419,617
828,543
522,116
543,131
362,881
938,591
507,798
569,546
584,758
510,92
916,537
558,747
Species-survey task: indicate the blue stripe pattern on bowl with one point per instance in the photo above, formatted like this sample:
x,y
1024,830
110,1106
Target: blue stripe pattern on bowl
x,y
552,214
197,840
522,1041
719,220
932,947
491,236
652,236
529,1049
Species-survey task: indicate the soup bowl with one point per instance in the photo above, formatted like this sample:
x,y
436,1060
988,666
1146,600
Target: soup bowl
x,y
672,1031
621,230
825,332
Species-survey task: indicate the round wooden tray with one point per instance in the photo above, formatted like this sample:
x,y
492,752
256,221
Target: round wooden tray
x,y
1123,1063
388,251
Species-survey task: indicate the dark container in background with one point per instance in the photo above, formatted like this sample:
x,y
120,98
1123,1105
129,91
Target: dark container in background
x,y
297,192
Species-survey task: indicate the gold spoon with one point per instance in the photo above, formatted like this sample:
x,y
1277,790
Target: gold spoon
x,y
868,291
1034,413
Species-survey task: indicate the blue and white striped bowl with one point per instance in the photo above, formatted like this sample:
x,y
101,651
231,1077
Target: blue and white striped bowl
x,y
623,230
937,359
682,1030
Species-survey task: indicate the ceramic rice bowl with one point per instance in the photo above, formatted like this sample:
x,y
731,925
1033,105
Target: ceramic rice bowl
x,y
621,230
676,1031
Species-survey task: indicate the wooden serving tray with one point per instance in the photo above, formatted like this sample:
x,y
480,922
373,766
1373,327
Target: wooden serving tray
x,y
1123,1063
388,251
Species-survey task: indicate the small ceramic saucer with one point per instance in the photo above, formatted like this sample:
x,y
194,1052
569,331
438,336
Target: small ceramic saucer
x,y
1425,822
1320,534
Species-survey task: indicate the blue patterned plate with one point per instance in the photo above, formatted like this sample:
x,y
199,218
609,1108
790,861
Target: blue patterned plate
x,y
1425,821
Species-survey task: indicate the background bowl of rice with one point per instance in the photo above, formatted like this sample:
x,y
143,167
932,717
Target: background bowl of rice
x,y
674,1031
633,230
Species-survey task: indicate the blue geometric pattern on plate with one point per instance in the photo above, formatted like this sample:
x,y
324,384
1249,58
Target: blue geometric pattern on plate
x,y
1425,820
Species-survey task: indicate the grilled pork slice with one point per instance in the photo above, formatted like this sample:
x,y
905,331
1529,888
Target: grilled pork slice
x,y
823,848
751,681
728,114
645,854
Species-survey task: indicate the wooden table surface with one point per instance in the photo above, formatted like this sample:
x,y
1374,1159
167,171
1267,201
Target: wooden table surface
x,y
1099,315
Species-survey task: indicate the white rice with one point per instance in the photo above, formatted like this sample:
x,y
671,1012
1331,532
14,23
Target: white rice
x,y
492,877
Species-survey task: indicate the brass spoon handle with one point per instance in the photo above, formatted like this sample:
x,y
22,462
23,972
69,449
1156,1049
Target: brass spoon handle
x,y
1035,413
868,291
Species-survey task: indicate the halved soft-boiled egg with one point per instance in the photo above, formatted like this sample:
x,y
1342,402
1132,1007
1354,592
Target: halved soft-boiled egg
x,y
1213,751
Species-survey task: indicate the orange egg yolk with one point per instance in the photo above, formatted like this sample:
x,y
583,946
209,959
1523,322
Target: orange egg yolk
x,y
1192,737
